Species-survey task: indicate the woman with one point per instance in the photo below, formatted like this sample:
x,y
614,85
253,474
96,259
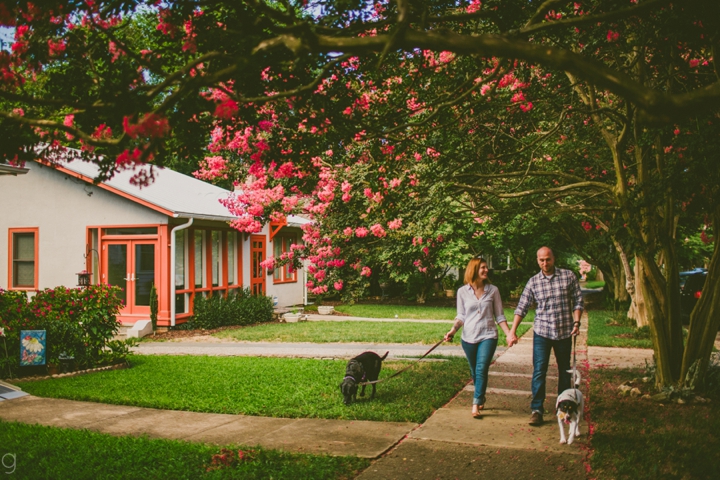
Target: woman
x,y
479,308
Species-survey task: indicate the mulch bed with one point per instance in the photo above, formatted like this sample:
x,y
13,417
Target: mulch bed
x,y
172,334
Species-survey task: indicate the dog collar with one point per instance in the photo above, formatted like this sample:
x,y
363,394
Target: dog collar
x,y
348,376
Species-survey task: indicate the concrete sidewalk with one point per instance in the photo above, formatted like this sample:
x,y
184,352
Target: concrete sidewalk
x,y
278,349
303,435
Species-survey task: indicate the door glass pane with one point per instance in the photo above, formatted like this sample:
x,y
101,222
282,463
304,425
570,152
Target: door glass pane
x,y
232,266
215,238
117,269
199,260
131,231
144,273
180,260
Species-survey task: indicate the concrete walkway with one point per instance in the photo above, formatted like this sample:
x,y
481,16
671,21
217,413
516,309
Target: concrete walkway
x,y
278,349
451,444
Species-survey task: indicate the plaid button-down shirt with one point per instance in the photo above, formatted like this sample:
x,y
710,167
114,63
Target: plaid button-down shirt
x,y
557,296
479,316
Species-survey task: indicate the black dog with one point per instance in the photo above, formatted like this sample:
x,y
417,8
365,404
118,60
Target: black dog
x,y
363,368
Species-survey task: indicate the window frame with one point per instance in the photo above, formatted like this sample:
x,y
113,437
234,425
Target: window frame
x,y
11,260
285,239
190,289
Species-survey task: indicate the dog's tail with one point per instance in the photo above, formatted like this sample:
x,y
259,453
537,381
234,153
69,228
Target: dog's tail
x,y
385,356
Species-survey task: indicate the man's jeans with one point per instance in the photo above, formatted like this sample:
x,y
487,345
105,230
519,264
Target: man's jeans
x,y
541,359
479,356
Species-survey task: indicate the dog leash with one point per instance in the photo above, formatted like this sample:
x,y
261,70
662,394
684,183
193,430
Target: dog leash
x,y
406,368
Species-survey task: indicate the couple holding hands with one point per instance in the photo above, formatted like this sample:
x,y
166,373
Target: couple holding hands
x,y
556,292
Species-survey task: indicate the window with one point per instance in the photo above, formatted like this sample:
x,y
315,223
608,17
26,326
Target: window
x,y
232,258
199,259
23,243
216,257
281,245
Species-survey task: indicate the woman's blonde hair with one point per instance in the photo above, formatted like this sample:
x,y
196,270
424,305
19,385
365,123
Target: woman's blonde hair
x,y
471,272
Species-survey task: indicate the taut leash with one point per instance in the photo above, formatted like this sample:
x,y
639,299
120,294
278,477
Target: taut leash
x,y
406,368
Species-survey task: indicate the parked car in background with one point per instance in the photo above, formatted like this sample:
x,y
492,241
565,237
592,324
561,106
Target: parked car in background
x,y
684,275
691,292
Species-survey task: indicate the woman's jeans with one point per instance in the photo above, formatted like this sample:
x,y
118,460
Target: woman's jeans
x,y
541,359
479,356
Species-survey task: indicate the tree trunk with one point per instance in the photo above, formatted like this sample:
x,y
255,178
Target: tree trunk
x,y
667,341
637,308
704,322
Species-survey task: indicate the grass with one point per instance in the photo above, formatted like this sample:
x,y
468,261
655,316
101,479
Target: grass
x,y
602,331
274,387
414,312
49,452
638,439
345,332
595,284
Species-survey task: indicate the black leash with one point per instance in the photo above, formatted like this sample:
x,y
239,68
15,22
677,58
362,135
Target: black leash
x,y
406,368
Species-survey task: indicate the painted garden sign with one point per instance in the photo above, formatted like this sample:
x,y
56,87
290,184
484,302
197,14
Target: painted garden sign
x,y
32,348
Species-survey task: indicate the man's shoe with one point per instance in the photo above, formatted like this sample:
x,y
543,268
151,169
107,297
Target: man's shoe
x,y
536,419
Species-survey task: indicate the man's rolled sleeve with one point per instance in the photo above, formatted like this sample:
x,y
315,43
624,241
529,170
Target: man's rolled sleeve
x,y
526,300
577,294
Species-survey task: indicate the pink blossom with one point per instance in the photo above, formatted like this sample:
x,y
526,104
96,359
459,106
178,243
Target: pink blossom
x,y
612,36
527,107
395,182
518,97
361,232
474,6
268,263
365,272
226,109
694,63
378,230
211,168
348,231
395,224
338,285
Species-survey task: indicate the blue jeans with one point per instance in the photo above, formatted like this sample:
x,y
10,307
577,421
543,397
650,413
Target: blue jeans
x,y
479,356
541,359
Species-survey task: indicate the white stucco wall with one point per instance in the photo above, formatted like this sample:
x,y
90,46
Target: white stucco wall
x,y
61,207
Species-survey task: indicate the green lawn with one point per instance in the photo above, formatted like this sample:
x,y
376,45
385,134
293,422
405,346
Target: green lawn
x,y
415,312
367,332
34,451
595,284
641,439
275,387
600,334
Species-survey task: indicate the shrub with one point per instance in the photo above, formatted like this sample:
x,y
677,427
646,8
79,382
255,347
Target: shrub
x,y
80,322
240,307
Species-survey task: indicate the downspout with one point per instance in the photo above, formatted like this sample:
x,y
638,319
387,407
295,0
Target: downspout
x,y
172,267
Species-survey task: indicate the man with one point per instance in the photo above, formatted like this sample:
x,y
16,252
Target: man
x,y
557,319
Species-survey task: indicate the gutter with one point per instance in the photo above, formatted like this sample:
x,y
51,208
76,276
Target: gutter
x,y
172,267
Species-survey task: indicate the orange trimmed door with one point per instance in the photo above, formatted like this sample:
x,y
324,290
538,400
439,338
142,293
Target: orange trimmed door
x,y
131,265
257,273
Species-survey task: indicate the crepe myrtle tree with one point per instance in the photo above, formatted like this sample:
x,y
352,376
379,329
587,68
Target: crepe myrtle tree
x,y
292,92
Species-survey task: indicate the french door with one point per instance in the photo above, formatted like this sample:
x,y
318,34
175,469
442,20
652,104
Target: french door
x,y
130,265
257,273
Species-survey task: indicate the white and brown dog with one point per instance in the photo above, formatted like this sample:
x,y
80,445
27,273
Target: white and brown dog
x,y
569,408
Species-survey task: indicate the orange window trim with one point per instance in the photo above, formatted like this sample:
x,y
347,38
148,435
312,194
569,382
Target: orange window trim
x,y
11,232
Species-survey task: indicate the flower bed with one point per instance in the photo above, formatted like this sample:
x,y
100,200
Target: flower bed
x,y
79,322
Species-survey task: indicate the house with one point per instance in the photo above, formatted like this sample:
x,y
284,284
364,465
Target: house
x,y
173,233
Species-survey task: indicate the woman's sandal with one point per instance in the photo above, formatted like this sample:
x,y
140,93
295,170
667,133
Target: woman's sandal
x,y
478,414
